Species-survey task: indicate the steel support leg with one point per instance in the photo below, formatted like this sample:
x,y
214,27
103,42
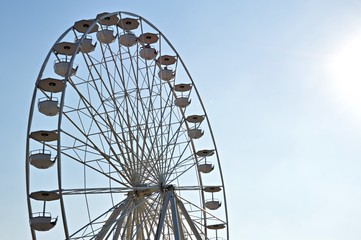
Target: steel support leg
x,y
169,197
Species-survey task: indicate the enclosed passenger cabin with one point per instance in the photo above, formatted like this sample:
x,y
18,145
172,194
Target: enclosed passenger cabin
x,y
64,48
195,118
127,39
86,45
205,167
148,38
128,24
42,221
182,87
166,60
216,226
205,153
44,136
61,68
148,53
45,196
166,74
51,85
48,107
106,35
182,102
195,133
213,204
41,159
83,26
212,189
108,20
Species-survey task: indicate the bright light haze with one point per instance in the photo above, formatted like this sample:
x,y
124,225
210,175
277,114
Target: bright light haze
x,y
281,83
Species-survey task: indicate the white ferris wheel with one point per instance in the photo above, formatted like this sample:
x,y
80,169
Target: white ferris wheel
x,y
119,145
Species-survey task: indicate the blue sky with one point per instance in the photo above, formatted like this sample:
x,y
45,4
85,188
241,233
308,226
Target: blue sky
x,y
280,81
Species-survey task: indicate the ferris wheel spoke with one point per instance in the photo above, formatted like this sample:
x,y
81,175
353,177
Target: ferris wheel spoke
x,y
138,231
143,218
190,188
169,149
118,226
194,228
83,231
148,111
171,137
94,146
180,168
142,146
151,214
111,94
161,131
129,107
105,190
111,220
145,148
134,107
135,223
107,175
101,133
148,135
208,213
171,146
113,225
165,144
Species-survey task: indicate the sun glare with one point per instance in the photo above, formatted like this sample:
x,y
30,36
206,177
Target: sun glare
x,y
345,70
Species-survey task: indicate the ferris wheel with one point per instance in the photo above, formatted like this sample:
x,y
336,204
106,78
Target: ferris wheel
x,y
119,145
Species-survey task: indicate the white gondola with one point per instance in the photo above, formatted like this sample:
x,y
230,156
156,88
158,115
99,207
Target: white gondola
x,y
65,48
128,24
127,39
148,38
166,74
205,167
148,52
216,226
45,196
212,189
48,107
44,136
213,204
42,221
195,133
106,36
205,153
61,68
51,85
195,118
182,102
86,45
107,21
41,159
82,26
166,60
182,87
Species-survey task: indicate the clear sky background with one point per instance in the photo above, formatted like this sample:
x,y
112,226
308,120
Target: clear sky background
x,y
281,83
